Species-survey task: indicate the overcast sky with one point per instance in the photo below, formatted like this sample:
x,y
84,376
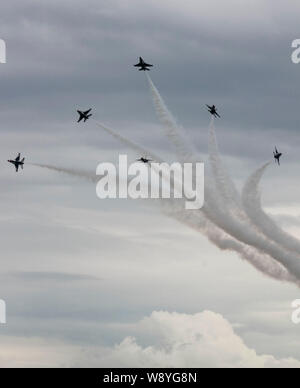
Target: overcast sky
x,y
110,283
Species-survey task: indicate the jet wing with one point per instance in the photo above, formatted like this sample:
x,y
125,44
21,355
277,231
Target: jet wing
x,y
17,167
80,118
88,111
217,114
147,65
18,157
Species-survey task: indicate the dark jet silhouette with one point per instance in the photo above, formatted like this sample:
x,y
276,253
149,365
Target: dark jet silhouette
x,y
277,156
17,162
143,65
213,111
84,115
144,160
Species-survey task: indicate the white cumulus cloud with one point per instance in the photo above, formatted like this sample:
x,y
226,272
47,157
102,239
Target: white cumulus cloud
x,y
204,339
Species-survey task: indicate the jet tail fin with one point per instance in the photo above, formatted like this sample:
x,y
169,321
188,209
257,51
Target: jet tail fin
x,y
87,117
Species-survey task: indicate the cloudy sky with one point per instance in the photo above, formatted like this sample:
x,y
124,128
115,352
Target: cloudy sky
x,y
91,282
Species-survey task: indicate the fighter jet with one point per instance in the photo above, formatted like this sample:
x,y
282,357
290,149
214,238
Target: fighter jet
x,y
213,110
277,155
17,162
84,115
144,160
143,65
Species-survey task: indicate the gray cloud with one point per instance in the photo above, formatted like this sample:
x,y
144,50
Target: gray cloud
x,y
50,276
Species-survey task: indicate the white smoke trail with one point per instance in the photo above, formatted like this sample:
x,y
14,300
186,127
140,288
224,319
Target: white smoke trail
x,y
262,262
223,241
69,171
251,197
129,143
217,237
232,203
237,228
230,226
223,182
184,149
248,235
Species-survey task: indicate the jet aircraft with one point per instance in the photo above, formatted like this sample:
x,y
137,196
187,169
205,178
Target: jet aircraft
x,y
144,160
143,66
84,115
277,156
213,111
17,162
